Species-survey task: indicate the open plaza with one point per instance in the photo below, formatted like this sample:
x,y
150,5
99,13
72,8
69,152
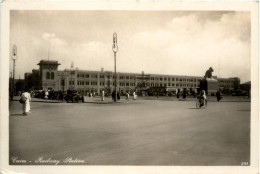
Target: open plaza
x,y
146,131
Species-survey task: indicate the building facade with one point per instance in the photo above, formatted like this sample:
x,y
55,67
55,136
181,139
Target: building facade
x,y
50,78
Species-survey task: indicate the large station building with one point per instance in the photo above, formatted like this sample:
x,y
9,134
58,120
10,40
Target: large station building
x,y
48,77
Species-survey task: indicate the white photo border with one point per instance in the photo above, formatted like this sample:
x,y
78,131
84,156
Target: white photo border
x,y
139,6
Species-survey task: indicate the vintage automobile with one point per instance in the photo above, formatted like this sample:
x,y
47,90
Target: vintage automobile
x,y
239,93
73,96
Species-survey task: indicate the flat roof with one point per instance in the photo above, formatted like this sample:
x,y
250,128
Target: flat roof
x,y
48,62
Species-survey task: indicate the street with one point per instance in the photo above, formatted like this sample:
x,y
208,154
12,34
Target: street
x,y
135,132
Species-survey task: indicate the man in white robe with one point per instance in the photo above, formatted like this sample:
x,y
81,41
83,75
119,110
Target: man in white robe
x,y
103,95
26,105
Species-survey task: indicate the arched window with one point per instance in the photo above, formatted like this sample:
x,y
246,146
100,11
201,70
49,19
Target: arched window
x,y
52,75
48,75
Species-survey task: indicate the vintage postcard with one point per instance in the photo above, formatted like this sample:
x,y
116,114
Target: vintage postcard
x,y
129,87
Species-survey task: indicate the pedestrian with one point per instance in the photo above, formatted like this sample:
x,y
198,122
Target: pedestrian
x,y
113,95
184,93
134,95
178,93
61,96
204,97
118,96
46,94
127,95
103,95
218,95
43,94
25,100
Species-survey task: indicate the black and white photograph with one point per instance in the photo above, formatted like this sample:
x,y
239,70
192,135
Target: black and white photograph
x,y
131,87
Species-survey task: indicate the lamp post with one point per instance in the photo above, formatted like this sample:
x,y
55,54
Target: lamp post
x,y
115,49
14,57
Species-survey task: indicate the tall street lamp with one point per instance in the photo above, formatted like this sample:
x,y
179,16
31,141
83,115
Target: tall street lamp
x,y
14,57
115,49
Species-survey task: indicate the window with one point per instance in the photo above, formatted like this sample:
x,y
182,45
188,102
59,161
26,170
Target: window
x,y
173,79
48,75
127,77
93,83
94,75
161,78
165,78
52,75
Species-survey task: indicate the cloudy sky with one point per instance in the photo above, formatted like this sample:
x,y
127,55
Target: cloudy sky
x,y
163,42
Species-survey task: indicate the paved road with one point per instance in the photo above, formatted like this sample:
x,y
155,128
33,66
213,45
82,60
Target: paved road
x,y
141,132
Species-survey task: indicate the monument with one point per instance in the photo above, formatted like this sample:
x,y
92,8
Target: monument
x,y
209,84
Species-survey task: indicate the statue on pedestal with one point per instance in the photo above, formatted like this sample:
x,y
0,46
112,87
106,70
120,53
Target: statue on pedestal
x,y
209,84
208,73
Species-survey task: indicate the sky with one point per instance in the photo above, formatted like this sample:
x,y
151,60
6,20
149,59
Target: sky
x,y
156,42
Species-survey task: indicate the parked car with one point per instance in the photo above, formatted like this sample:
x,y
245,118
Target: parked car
x,y
239,93
73,96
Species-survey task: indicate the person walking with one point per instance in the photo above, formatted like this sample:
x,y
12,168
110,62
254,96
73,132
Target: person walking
x,y
103,95
127,95
113,95
118,96
25,100
184,93
204,98
134,95
218,95
178,93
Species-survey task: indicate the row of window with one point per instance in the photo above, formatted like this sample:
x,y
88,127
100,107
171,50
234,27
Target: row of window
x,y
103,76
82,83
173,79
133,77
49,75
177,85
